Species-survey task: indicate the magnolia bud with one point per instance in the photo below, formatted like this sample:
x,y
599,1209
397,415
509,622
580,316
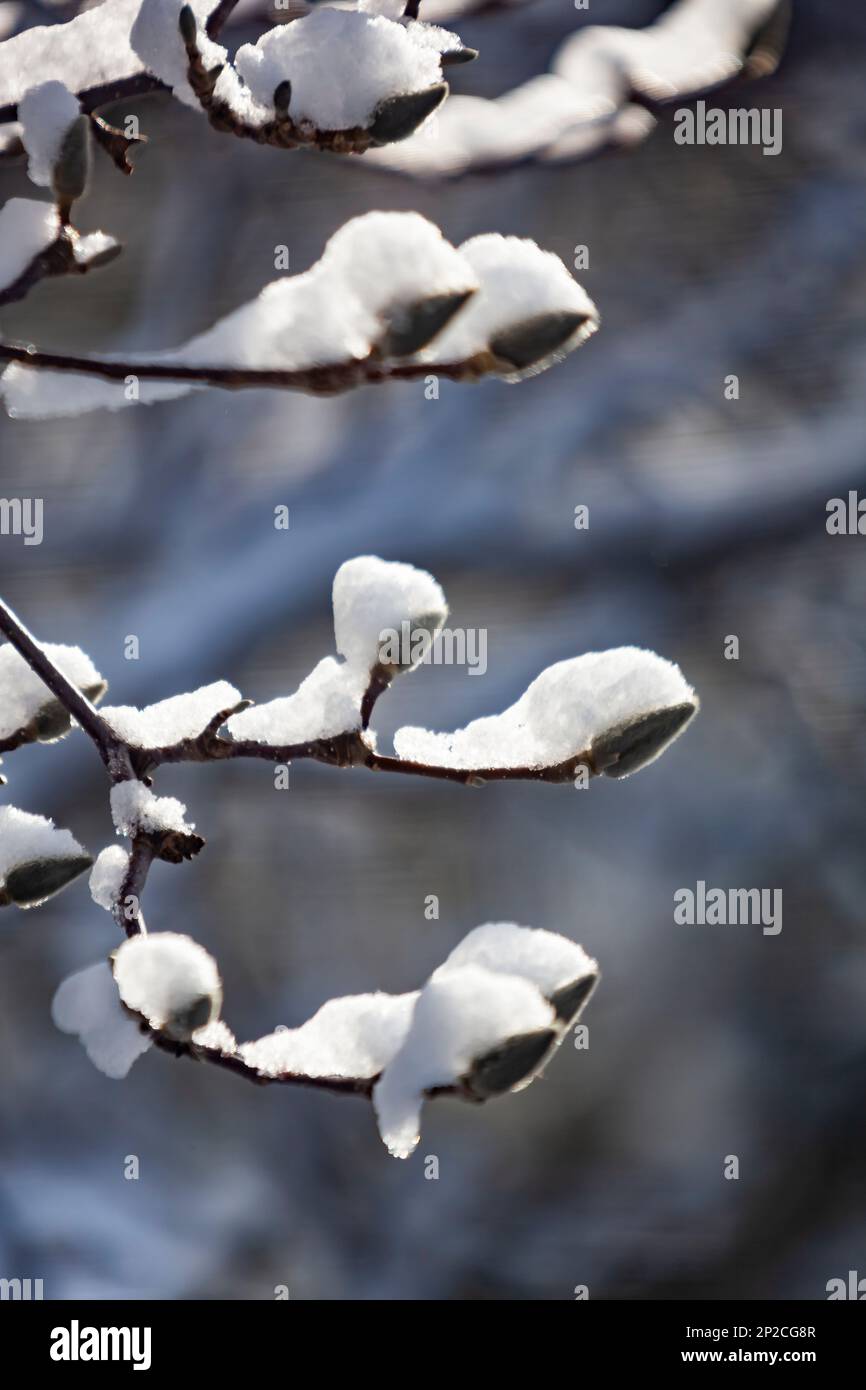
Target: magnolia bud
x,y
33,883
453,56
410,327
569,999
186,22
631,746
283,96
511,1065
396,118
72,167
536,339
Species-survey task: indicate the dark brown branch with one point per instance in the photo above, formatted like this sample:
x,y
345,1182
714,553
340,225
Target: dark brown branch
x,y
338,1085
218,18
327,380
57,259
127,909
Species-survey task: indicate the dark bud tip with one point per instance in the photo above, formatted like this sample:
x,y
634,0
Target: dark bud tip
x,y
196,1015
72,169
453,56
186,22
283,96
33,883
412,326
570,999
398,117
536,339
511,1064
629,747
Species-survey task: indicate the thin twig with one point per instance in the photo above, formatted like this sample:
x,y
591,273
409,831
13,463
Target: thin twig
x,y
326,380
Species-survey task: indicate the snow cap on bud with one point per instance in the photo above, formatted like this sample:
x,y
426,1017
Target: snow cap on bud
x,y
618,710
107,875
46,112
406,278
36,859
386,614
471,1027
171,981
349,70
27,712
558,967
528,312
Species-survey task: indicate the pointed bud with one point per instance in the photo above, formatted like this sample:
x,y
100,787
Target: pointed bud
x,y
33,883
453,56
396,118
511,1065
283,96
186,22
536,339
629,747
569,999
412,326
72,169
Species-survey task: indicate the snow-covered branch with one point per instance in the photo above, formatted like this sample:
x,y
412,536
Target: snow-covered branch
x,y
353,80
601,90
389,300
493,1014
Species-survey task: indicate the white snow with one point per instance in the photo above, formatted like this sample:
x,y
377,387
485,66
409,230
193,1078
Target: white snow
x,y
155,37
46,112
544,958
460,1014
337,311
170,980
373,598
519,281
216,1036
692,45
583,102
87,1004
173,720
23,694
391,9
431,35
25,838
136,808
564,709
107,875
40,395
386,259
341,64
353,1036
27,228
88,51
299,321
326,703
86,248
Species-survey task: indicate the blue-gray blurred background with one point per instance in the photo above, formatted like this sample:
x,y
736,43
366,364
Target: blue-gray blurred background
x,y
707,519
